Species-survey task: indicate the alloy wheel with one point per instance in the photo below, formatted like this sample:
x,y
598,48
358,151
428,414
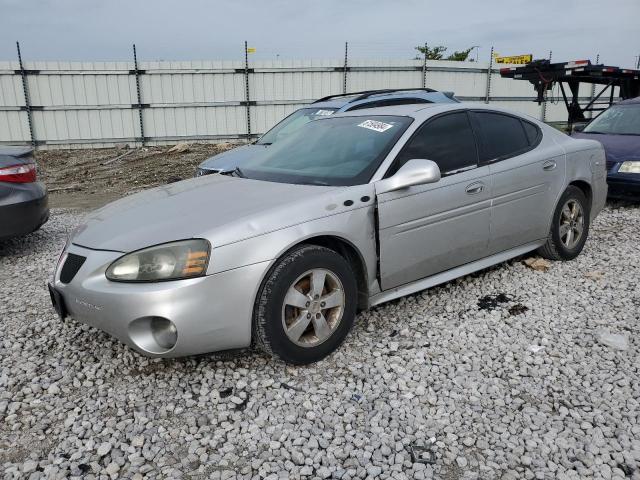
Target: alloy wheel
x,y
313,307
571,223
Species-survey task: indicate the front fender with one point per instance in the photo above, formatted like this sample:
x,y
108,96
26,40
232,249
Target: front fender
x,y
355,226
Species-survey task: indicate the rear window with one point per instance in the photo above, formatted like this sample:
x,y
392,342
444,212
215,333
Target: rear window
x,y
500,135
293,122
390,102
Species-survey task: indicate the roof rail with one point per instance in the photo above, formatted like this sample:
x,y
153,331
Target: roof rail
x,y
368,93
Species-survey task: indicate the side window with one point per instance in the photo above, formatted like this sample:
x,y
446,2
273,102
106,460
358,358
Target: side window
x,y
532,132
388,103
447,140
499,135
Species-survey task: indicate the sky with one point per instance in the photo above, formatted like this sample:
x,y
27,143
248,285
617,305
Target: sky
x,y
87,30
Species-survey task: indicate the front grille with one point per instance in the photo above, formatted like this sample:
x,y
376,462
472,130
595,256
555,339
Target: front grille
x,y
610,164
71,266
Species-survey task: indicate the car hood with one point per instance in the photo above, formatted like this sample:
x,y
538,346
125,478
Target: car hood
x,y
220,208
618,148
232,158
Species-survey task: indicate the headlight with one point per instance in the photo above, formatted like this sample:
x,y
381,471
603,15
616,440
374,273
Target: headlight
x,y
631,166
170,261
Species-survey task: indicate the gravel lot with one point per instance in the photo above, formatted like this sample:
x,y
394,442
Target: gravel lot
x,y
511,370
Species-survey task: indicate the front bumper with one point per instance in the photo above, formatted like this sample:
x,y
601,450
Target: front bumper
x,y
211,313
625,186
24,211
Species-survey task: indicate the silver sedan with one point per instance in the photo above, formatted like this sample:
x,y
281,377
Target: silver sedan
x,y
348,212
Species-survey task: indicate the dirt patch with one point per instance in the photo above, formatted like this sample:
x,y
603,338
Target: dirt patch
x,y
88,179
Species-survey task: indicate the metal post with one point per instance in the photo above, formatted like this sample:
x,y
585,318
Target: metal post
x,y
246,88
139,95
346,57
27,98
543,112
638,64
593,87
424,67
488,92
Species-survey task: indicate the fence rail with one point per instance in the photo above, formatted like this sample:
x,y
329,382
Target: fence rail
x,y
101,104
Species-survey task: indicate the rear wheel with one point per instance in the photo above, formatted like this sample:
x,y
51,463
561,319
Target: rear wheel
x,y
569,228
306,306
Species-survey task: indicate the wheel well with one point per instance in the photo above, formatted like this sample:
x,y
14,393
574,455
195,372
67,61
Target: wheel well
x,y
586,189
351,254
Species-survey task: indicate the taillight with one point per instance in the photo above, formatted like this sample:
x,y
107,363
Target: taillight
x,y
25,173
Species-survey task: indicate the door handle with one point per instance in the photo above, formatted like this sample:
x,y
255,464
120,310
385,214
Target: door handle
x,y
550,165
474,188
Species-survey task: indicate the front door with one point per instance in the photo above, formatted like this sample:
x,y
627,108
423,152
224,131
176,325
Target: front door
x,y
427,229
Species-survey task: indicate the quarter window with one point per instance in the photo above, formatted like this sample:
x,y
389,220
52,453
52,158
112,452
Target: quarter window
x,y
500,136
532,132
447,140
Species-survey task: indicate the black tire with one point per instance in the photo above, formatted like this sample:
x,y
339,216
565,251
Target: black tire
x,y
269,330
555,248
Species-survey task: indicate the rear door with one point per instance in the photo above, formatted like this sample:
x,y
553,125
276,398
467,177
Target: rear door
x,y
426,229
527,170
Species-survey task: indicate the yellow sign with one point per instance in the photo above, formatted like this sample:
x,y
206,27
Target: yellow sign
x,y
515,59
251,50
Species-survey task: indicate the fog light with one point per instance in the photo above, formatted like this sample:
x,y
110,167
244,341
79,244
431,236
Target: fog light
x,y
164,332
155,335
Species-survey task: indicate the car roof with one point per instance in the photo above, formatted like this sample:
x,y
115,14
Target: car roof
x,y
421,111
362,98
629,101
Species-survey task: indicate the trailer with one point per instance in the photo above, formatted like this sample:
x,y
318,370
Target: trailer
x,y
544,75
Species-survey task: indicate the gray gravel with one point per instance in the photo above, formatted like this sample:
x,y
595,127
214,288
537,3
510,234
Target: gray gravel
x,y
541,382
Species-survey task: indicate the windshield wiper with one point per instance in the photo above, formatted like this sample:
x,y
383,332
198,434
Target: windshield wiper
x,y
314,182
236,172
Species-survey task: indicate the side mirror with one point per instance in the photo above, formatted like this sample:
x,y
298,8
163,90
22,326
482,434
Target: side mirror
x,y
579,127
414,172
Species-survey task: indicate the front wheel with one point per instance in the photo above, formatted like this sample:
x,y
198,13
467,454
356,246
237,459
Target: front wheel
x,y
306,306
569,228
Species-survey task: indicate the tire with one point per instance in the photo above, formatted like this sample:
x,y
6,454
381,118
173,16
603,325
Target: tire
x,y
275,314
559,246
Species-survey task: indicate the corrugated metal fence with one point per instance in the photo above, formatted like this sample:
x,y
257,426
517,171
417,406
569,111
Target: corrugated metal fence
x,y
99,104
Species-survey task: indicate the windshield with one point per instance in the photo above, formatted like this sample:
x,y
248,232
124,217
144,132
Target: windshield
x,y
617,120
293,122
332,151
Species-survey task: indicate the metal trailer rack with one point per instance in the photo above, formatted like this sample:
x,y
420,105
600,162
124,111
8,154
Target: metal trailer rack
x,y
543,75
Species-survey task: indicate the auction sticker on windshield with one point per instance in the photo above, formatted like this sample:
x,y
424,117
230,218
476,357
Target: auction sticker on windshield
x,y
375,125
324,112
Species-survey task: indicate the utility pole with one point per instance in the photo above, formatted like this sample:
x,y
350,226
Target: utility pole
x,y
27,97
346,63
424,67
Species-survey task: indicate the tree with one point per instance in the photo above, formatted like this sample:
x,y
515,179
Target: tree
x,y
437,53
432,53
461,56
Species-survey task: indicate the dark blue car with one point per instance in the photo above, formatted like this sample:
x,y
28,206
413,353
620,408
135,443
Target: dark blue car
x,y
618,129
